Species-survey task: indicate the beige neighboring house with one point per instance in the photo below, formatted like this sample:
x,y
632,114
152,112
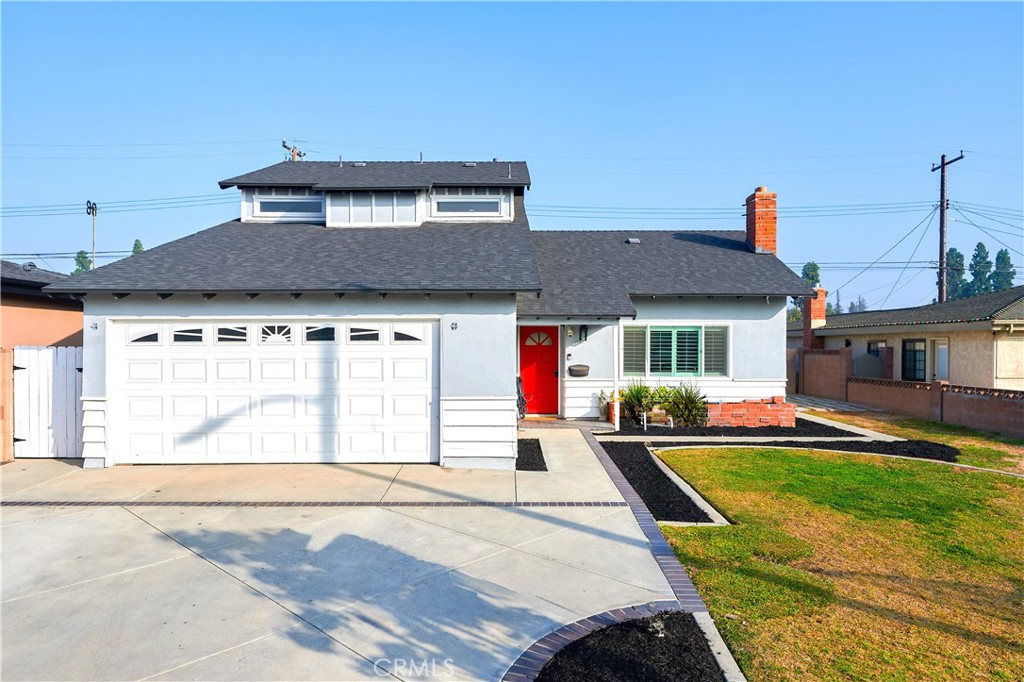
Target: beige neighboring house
x,y
976,341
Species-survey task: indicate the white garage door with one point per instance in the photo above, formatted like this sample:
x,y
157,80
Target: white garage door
x,y
274,391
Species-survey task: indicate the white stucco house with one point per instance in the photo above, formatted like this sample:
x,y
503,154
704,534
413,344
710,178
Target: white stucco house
x,y
382,311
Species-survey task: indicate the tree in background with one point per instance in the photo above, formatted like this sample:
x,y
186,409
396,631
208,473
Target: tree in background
x,y
82,263
838,310
137,247
981,270
1002,277
858,306
956,283
811,274
794,315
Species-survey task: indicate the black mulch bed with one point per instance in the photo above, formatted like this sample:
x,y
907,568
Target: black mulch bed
x,y
531,457
663,498
804,429
907,448
633,652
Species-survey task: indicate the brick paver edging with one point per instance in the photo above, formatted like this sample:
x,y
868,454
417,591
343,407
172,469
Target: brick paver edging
x,y
529,664
667,560
227,503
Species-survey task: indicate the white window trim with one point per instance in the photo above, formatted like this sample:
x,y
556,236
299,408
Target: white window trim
x,y
247,341
503,197
647,376
288,216
305,328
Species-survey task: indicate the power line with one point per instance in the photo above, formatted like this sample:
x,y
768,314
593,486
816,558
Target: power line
x,y
971,222
914,253
138,144
125,209
1019,229
889,250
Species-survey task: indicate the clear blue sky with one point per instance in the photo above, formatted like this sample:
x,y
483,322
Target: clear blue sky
x,y
661,105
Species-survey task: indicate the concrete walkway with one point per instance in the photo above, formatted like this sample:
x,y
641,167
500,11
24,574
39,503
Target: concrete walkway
x,y
810,402
394,587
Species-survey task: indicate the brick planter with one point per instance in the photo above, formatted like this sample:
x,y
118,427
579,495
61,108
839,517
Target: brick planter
x,y
767,412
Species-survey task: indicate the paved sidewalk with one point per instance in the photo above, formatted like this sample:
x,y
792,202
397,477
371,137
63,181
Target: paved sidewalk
x,y
320,592
810,402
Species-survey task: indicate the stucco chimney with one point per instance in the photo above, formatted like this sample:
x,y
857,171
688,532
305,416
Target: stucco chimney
x,y
762,221
814,317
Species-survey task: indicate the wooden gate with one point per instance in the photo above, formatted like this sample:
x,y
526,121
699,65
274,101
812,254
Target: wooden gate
x,y
47,402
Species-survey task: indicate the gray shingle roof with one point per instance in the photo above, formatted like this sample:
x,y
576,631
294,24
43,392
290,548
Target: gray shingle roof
x,y
999,305
328,175
17,272
593,273
256,257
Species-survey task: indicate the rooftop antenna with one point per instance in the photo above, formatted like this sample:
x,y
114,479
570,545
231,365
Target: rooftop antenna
x,y
295,151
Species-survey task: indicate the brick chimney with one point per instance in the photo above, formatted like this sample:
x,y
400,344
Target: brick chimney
x,y
762,220
814,317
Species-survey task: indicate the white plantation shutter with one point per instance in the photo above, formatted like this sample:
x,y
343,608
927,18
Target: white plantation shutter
x,y
715,351
634,350
687,351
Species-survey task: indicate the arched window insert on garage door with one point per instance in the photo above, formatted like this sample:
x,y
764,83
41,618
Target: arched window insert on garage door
x,y
275,334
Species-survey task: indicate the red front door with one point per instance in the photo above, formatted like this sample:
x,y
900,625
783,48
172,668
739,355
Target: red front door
x,y
538,367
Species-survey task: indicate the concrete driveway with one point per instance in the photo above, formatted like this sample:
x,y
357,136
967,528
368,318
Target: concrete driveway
x,y
149,584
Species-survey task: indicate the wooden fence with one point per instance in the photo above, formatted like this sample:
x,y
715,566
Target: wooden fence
x,y
47,402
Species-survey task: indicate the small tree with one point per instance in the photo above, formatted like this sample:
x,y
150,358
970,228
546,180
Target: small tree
x,y
137,248
82,263
981,270
1002,277
811,274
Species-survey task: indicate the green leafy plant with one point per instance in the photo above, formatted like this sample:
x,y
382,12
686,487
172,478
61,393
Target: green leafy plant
x,y
637,400
686,404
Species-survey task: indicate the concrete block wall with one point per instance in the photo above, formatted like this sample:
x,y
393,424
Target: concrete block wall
x,y
987,410
911,398
823,373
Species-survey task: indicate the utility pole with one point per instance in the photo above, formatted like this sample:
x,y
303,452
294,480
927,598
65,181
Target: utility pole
x,y
92,209
943,201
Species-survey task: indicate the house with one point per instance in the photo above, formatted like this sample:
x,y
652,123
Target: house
x,y
977,341
381,312
31,317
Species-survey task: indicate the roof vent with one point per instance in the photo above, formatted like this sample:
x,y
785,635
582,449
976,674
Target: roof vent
x,y
29,266
359,164
469,164
633,241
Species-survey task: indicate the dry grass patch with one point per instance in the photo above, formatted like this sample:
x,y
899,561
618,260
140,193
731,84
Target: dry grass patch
x,y
977,448
849,567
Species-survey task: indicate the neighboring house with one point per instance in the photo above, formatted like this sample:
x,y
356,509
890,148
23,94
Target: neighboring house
x,y
381,312
977,341
31,317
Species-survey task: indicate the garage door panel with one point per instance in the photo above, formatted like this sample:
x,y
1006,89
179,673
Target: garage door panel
x,y
278,396
188,407
140,371
365,369
320,370
233,444
146,408
187,370
277,370
232,370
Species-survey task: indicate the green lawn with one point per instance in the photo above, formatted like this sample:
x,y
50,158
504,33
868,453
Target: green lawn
x,y
977,448
853,567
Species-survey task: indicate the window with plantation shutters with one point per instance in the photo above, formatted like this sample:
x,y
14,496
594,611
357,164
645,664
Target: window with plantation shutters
x,y
634,351
715,351
675,351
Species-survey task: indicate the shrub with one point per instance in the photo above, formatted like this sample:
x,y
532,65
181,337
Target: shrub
x,y
637,400
686,404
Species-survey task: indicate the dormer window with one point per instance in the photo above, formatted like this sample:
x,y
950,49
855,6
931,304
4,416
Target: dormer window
x,y
470,202
372,209
285,204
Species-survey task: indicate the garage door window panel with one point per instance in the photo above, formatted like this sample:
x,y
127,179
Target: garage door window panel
x,y
187,335
143,335
319,333
233,335
275,334
364,333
